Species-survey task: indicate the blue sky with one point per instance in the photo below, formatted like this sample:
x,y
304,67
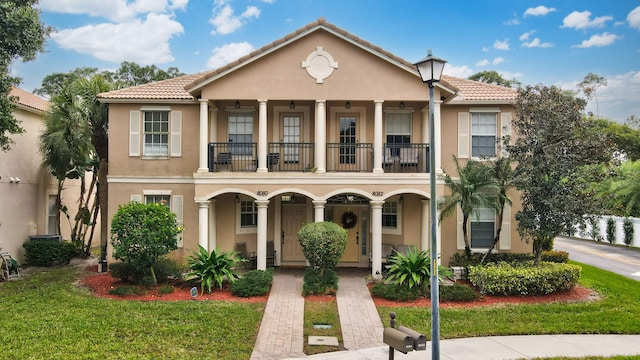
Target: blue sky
x,y
548,42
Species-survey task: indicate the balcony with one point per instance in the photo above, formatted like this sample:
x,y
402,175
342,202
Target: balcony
x,y
300,157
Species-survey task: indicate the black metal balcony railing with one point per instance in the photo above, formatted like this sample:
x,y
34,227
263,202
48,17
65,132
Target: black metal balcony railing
x,y
300,157
229,156
406,158
349,157
290,157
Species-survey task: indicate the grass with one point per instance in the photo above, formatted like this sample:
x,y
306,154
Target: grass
x,y
321,312
45,316
609,315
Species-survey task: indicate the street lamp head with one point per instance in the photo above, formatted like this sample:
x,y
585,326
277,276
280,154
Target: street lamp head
x,y
430,68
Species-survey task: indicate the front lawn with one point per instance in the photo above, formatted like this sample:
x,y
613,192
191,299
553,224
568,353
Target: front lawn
x,y
45,316
613,314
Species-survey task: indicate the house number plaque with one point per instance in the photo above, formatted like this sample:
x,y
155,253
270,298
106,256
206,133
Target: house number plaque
x,y
377,193
262,193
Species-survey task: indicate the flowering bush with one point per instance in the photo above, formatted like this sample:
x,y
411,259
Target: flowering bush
x,y
141,233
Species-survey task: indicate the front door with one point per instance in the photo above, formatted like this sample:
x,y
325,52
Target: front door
x,y
293,217
347,218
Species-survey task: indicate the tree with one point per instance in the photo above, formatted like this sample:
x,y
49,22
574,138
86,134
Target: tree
x,y
624,189
624,137
56,82
493,77
474,188
132,74
553,145
633,121
22,37
505,179
141,233
589,86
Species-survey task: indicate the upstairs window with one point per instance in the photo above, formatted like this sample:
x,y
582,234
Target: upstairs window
x,y
156,133
483,134
398,127
240,133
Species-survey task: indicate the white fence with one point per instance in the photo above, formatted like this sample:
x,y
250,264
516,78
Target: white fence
x,y
601,234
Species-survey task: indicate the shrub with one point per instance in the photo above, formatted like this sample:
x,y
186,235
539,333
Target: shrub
x,y
316,283
323,244
122,271
611,230
164,270
413,269
48,253
457,292
561,257
627,226
395,292
252,283
142,233
126,290
215,267
459,259
165,289
595,231
524,279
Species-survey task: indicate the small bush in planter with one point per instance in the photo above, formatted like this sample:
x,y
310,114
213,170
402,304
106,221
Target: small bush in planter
x,y
316,283
252,283
395,292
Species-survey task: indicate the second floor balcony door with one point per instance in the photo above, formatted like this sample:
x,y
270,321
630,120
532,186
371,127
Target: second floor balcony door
x,y
347,152
291,130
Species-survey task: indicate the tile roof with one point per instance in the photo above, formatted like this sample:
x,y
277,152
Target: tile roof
x,y
175,89
29,100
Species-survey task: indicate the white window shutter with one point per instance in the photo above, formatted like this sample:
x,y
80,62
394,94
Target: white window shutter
x,y
176,133
505,233
464,135
134,133
177,202
137,198
505,128
460,237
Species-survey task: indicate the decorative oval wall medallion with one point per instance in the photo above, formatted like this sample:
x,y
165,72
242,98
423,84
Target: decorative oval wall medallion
x,y
319,65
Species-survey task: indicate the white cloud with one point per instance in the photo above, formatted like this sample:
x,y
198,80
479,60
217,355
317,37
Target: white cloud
x,y
224,20
501,45
536,43
601,40
581,20
514,21
620,98
634,18
178,4
142,41
112,10
526,35
483,62
538,11
458,71
227,53
498,60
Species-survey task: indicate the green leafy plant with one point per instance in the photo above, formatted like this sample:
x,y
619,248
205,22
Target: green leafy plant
x,y
611,230
165,289
208,268
627,227
395,292
412,269
457,292
315,283
48,253
142,233
323,244
252,283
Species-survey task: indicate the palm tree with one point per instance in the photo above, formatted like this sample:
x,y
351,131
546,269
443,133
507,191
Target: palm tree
x,y
474,188
626,188
505,179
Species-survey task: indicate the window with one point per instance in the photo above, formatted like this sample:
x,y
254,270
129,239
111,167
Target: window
x,y
240,133
52,212
482,228
248,214
158,199
156,133
390,214
483,134
398,128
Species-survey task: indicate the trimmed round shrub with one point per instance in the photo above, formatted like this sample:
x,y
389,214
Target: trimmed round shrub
x,y
524,279
316,283
323,244
48,253
252,283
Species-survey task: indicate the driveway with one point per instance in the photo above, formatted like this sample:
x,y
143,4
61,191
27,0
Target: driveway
x,y
617,259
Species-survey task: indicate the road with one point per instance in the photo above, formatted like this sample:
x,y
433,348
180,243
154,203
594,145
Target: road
x,y
617,259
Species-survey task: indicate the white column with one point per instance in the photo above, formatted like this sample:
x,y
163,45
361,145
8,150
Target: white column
x,y
213,123
321,136
424,229
263,205
203,224
212,225
437,137
262,136
318,206
376,238
204,132
377,137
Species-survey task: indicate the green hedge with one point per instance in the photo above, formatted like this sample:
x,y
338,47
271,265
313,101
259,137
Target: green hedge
x,y
252,283
460,259
524,279
48,253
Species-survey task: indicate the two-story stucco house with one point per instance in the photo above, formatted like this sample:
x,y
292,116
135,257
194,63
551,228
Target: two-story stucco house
x,y
319,125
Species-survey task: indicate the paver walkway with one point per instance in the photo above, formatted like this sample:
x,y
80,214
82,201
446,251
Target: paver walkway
x,y
281,331
359,319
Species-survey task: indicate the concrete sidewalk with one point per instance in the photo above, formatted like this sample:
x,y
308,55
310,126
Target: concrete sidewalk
x,y
281,331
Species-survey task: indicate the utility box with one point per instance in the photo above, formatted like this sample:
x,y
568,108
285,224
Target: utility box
x,y
419,340
397,340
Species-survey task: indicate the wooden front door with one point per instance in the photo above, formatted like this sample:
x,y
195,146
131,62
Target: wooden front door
x,y
351,252
293,217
